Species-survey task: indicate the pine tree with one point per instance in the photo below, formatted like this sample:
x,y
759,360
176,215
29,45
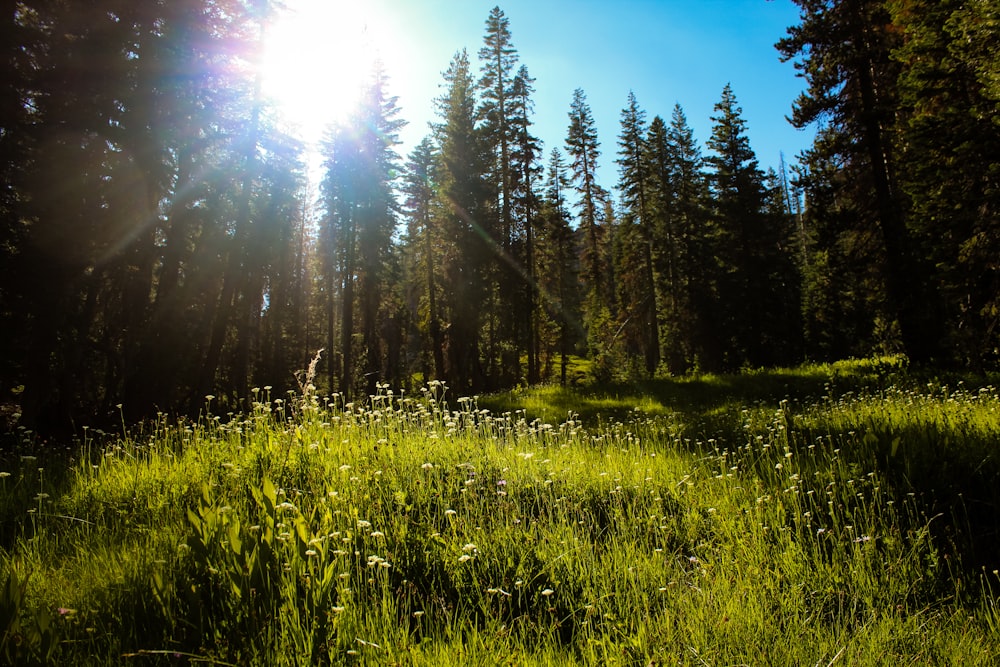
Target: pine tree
x,y
360,218
423,246
948,145
526,172
21,38
339,231
499,60
751,243
584,150
635,187
282,324
681,231
466,214
156,244
379,119
844,50
558,272
842,288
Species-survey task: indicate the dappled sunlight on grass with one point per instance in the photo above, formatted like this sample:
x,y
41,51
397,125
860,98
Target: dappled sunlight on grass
x,y
780,517
696,395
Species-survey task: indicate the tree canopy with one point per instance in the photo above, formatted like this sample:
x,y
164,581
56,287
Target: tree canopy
x,y
162,241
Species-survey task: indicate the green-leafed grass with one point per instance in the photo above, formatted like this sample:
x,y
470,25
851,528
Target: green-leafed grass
x,y
842,514
698,395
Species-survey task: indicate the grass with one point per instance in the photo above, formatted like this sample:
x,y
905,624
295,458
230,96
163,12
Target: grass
x,y
825,515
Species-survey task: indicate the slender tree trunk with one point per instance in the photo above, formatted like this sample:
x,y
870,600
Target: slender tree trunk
x,y
226,303
649,276
917,331
564,313
437,342
303,296
530,314
331,366
347,314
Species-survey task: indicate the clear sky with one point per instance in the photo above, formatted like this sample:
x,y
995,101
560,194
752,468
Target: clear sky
x,y
666,51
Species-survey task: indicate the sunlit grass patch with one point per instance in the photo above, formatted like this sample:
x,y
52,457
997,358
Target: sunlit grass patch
x,y
712,519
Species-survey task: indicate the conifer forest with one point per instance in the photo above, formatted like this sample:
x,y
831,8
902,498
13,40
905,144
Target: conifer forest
x,y
160,240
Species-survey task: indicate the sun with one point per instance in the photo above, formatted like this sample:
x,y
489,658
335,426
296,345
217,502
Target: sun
x,y
317,56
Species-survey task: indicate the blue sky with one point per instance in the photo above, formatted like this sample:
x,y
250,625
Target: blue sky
x,y
666,51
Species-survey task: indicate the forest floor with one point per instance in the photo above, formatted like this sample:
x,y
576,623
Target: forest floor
x,y
830,514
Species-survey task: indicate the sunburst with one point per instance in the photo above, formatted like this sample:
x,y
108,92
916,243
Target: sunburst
x,y
317,56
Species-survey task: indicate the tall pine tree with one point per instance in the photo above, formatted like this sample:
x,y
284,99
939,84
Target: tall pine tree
x,y
752,246
467,212
583,148
844,53
634,183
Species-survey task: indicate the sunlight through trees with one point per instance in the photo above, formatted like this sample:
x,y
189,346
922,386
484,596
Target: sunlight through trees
x,y
163,239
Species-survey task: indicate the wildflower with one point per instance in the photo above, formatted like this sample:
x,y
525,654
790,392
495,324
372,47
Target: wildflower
x,y
427,466
547,592
470,547
418,613
464,557
450,512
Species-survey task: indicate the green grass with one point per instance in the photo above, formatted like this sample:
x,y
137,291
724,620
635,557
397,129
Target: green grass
x,y
841,514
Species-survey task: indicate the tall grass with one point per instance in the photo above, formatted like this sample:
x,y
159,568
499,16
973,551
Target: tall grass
x,y
819,516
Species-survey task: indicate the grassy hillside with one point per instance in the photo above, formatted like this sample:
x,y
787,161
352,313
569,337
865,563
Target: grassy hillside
x,y
840,514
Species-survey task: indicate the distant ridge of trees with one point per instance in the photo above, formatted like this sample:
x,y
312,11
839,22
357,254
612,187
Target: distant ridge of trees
x,y
160,242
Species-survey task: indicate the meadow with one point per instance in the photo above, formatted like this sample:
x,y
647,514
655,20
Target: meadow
x,y
842,514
